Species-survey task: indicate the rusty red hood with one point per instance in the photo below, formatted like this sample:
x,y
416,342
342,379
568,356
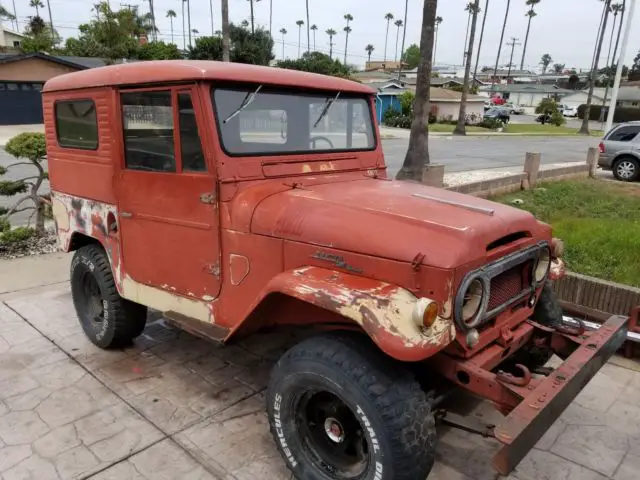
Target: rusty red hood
x,y
391,219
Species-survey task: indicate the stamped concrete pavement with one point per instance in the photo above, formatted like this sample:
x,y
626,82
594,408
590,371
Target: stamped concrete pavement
x,y
173,406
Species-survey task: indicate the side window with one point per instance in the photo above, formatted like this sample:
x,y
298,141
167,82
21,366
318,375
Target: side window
x,y
77,124
625,134
147,120
190,146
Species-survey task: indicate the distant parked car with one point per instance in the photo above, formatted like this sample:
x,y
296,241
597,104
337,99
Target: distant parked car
x,y
515,109
620,151
570,111
488,105
498,114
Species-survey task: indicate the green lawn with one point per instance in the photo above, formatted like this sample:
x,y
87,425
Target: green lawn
x,y
533,129
599,222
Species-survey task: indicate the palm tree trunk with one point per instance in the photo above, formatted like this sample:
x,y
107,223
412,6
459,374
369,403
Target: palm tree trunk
x,y
171,21
484,20
213,32
526,40
270,15
226,57
308,31
14,20
417,158
395,58
404,36
584,129
252,29
331,47
184,37
299,38
189,20
51,21
606,90
615,50
314,40
504,26
346,45
460,127
466,38
283,46
386,40
435,45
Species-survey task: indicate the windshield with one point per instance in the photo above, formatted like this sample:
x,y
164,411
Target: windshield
x,y
279,122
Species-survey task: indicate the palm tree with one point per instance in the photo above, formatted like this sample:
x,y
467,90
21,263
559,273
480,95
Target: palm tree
x,y
283,31
388,17
397,23
504,27
299,23
308,31
331,32
616,8
5,14
435,41
244,23
584,128
210,16
37,4
171,14
314,27
417,159
347,30
252,26
484,21
404,36
369,49
189,19
468,9
226,54
621,8
545,61
195,32
531,13
460,127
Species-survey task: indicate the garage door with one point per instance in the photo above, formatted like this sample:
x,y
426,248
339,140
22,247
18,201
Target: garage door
x,y
20,103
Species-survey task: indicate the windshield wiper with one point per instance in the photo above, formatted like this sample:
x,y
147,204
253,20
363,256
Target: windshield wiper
x,y
248,100
327,106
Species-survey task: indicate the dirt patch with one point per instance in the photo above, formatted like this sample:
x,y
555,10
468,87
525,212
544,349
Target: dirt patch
x,y
36,245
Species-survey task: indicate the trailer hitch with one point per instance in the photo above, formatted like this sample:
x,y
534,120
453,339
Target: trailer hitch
x,y
520,381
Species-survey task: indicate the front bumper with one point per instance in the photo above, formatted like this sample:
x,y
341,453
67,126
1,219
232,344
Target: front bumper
x,y
539,409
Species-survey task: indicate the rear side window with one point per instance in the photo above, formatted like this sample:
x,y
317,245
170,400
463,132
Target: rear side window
x,y
624,134
77,124
147,119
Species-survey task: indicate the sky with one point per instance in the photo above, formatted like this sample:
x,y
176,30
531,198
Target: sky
x,y
566,29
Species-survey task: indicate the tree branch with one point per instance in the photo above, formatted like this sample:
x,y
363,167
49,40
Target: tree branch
x,y
19,163
23,210
16,205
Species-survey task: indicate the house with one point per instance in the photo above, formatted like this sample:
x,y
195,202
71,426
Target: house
x,y
627,97
22,77
9,39
527,95
445,104
382,66
507,76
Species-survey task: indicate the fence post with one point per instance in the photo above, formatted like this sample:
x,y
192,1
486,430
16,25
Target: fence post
x,y
592,161
531,168
433,175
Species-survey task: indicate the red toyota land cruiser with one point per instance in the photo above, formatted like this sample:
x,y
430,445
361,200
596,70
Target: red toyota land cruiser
x,y
233,197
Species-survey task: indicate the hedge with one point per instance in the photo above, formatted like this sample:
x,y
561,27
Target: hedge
x,y
623,114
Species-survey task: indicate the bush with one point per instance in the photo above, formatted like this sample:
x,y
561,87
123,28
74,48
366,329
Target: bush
x,y
558,119
30,146
16,235
491,123
406,102
623,114
432,118
401,121
389,115
5,226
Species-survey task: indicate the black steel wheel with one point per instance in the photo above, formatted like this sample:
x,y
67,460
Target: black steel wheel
x,y
107,319
340,410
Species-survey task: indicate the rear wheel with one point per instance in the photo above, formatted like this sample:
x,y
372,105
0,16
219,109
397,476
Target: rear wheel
x,y
340,410
626,169
107,319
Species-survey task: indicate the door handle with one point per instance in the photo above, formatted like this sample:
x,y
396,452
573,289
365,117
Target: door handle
x,y
126,215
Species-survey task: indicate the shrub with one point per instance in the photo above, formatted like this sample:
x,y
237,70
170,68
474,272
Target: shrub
x,y
389,115
558,119
432,118
401,121
622,114
16,235
406,102
491,123
547,106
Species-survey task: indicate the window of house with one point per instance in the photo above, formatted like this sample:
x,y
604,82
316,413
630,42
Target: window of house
x,y
12,86
147,119
16,43
624,134
77,124
634,104
190,146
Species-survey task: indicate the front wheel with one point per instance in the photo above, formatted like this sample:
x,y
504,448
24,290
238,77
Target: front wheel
x,y
340,410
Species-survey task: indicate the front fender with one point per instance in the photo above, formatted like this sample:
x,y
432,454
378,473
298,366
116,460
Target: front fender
x,y
383,310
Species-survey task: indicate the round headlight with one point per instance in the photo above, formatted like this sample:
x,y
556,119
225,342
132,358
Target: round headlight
x,y
472,300
542,266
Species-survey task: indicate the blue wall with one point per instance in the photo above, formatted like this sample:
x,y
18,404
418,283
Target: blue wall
x,y
384,102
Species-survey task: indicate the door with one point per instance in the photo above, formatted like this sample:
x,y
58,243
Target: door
x,y
166,193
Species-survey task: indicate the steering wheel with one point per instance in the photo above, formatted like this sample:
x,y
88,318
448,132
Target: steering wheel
x,y
315,140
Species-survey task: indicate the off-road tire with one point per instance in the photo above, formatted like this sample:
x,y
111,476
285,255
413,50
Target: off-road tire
x,y
121,320
547,311
393,412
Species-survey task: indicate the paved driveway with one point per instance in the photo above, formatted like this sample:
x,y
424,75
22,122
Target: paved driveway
x,y
175,407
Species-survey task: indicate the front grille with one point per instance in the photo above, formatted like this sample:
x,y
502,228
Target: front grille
x,y
506,286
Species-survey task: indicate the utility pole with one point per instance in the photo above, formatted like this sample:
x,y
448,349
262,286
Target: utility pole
x,y
15,16
514,42
623,53
184,37
189,21
211,11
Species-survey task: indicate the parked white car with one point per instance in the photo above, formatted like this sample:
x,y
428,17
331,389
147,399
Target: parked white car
x,y
570,111
514,109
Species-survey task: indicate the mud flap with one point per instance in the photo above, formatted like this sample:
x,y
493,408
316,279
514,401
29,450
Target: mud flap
x,y
528,422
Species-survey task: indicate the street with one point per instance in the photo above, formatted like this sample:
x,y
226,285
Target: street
x,y
458,154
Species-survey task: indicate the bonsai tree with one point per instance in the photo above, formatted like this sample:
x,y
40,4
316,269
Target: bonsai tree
x,y
30,150
549,109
